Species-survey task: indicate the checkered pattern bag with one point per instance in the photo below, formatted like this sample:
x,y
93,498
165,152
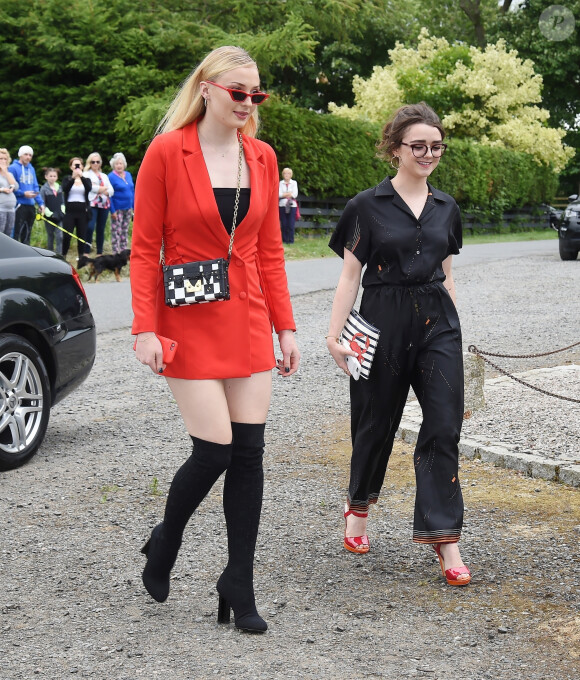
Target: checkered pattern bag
x,y
205,281
195,282
361,337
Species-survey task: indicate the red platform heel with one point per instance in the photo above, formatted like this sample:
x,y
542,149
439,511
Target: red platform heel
x,y
452,575
355,544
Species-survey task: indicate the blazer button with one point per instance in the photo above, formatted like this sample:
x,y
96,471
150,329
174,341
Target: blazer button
x,y
239,263
243,295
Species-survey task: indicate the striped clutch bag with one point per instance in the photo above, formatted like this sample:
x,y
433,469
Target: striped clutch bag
x,y
360,336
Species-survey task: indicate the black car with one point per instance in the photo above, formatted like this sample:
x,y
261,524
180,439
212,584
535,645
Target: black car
x,y
568,228
47,344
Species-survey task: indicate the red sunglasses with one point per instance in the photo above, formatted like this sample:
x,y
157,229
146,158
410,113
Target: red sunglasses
x,y
240,96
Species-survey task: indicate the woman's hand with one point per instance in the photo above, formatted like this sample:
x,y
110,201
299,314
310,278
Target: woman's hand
x,y
149,352
290,354
339,352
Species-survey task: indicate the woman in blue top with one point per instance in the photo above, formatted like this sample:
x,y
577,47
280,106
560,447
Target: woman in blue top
x,y
121,202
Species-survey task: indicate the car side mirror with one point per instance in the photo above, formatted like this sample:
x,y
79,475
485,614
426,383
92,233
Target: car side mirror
x,y
573,197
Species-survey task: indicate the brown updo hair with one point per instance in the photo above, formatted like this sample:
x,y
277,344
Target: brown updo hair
x,y
403,118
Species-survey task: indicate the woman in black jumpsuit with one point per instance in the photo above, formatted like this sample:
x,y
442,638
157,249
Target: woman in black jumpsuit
x,y
405,232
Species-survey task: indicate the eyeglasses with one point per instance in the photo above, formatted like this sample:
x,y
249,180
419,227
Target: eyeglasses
x,y
96,162
241,96
420,150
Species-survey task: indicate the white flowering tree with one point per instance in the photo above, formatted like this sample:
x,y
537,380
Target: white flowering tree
x,y
488,95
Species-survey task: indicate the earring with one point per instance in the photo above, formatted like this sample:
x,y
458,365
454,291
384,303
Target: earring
x,y
205,102
395,167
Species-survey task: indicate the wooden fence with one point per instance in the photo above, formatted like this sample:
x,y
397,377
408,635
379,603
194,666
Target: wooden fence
x,y
319,213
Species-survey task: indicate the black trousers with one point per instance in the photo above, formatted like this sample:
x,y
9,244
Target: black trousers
x,y
23,222
75,219
287,222
419,347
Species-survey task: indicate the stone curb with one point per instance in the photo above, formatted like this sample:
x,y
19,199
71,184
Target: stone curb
x,y
501,455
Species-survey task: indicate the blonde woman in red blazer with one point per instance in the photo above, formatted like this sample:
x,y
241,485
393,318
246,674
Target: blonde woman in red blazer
x,y
221,376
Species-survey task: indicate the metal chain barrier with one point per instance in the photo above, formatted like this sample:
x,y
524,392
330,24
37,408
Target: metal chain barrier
x,y
480,353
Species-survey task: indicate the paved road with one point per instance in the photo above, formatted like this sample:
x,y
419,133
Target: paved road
x,y
111,302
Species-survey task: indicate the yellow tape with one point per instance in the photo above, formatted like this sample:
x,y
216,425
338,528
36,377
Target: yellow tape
x,y
42,217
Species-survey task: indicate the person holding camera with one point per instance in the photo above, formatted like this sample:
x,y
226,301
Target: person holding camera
x,y
76,189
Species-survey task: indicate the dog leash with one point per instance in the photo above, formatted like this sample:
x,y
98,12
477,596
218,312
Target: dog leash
x,y
42,217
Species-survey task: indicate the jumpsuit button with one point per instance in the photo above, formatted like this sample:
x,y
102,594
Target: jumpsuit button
x,y
243,295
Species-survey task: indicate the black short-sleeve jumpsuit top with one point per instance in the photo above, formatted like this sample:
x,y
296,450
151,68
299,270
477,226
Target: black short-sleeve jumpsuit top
x,y
419,347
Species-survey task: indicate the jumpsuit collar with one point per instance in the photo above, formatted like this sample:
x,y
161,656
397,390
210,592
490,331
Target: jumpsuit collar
x,y
386,188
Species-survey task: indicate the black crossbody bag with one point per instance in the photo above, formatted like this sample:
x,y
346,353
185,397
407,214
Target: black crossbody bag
x,y
205,281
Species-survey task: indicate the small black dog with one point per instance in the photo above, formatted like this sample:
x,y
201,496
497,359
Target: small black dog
x,y
98,264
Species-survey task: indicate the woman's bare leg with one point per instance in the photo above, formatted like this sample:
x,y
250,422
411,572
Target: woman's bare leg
x,y
204,408
249,398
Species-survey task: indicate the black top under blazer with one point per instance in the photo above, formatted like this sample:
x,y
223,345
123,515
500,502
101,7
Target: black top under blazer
x,y
379,228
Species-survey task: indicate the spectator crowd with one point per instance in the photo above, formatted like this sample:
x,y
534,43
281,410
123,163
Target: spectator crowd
x,y
79,207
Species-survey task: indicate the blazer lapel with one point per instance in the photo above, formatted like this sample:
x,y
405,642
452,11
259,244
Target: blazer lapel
x,y
259,192
201,183
203,191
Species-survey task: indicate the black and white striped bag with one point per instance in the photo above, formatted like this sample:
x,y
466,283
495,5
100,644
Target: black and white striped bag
x,y
362,337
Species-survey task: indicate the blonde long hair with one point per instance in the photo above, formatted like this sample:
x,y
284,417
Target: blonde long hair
x,y
188,104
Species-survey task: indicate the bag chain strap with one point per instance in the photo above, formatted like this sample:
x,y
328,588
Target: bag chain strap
x,y
236,205
237,201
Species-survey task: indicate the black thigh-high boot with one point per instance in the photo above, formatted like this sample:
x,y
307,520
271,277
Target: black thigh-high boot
x,y
189,487
243,491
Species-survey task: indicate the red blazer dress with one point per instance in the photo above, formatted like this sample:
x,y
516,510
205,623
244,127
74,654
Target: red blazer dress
x,y
174,199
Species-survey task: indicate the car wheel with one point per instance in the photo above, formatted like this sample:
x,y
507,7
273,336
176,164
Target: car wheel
x,y
566,253
24,401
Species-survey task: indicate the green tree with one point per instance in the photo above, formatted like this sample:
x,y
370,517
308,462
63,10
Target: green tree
x,y
70,66
488,95
465,21
557,61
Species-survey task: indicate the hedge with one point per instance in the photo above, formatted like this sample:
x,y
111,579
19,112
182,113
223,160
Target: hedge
x,y
335,157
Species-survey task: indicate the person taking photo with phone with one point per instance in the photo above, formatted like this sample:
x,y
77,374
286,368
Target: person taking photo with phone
x,y
76,189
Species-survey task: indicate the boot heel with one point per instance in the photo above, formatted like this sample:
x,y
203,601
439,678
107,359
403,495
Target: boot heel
x,y
224,610
161,555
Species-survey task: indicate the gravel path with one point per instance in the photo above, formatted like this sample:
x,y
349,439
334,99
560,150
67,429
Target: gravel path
x,y
73,604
